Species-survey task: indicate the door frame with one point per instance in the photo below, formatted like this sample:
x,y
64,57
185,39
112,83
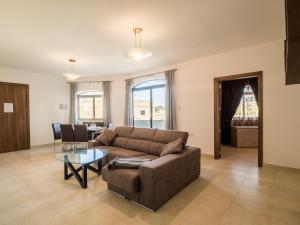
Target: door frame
x,y
27,108
217,111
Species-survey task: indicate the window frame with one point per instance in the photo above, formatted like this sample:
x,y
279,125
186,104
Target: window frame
x,y
79,96
150,88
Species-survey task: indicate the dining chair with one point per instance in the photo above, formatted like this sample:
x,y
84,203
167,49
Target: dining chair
x,y
67,135
56,133
80,135
99,124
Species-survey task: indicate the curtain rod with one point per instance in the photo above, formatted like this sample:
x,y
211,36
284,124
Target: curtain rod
x,y
94,81
148,75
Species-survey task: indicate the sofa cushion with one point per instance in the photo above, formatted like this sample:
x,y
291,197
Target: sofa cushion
x,y
167,136
138,145
108,148
120,142
123,153
106,137
123,131
172,147
155,148
143,133
124,179
147,156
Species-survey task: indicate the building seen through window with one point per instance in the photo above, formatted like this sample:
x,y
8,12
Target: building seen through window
x,y
90,105
149,104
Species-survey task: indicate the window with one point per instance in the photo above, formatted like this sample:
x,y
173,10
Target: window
x,y
248,106
149,104
90,105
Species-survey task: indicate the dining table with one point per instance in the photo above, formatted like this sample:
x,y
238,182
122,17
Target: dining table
x,y
94,130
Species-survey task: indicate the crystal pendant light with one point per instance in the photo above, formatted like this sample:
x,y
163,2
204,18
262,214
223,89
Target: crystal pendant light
x,y
137,53
71,76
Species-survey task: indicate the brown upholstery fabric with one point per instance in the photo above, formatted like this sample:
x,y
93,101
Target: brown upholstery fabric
x,y
167,136
124,131
162,178
120,142
133,196
106,137
94,143
157,181
125,179
152,157
172,147
109,150
138,145
123,153
143,133
155,148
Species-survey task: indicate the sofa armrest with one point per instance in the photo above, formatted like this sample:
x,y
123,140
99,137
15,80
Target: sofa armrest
x,y
94,143
162,178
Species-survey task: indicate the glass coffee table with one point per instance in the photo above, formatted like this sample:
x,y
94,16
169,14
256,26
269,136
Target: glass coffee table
x,y
82,157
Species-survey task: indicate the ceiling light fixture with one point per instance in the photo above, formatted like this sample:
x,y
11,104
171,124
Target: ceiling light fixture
x,y
137,53
71,76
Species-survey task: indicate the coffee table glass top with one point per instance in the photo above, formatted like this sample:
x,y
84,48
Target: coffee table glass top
x,y
81,156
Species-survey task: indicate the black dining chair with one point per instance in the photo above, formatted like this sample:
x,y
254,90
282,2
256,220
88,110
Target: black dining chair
x,y
67,135
56,133
99,124
80,135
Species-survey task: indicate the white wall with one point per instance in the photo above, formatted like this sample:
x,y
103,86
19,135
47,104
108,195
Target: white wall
x,y
46,92
194,97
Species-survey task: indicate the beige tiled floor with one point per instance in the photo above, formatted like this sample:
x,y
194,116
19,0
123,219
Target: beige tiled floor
x,y
229,191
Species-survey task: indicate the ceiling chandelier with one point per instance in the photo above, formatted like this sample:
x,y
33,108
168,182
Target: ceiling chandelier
x,y
137,53
71,76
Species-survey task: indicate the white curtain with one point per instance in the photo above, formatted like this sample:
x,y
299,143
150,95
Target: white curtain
x,y
72,111
106,86
128,116
171,122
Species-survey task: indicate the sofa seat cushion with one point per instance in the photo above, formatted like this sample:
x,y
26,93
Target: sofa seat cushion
x,y
147,156
123,153
124,179
108,148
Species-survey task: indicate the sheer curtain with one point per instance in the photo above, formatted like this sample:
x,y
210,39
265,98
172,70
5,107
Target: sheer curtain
x,y
128,116
106,86
72,111
171,122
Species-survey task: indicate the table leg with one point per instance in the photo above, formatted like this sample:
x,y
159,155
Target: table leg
x,y
99,166
84,176
66,171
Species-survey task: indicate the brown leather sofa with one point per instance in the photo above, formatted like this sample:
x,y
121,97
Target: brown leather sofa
x,y
156,181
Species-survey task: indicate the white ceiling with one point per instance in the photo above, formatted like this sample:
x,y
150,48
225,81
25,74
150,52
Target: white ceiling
x,y
41,35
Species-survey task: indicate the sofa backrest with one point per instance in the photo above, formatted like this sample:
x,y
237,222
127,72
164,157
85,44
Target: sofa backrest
x,y
146,140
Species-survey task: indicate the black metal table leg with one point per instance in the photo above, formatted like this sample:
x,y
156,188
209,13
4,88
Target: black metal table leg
x,y
99,166
66,171
84,176
82,180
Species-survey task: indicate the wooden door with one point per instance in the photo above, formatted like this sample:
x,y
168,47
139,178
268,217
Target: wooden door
x,y
14,117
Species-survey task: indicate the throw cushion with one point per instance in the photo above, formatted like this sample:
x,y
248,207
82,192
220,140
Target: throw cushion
x,y
106,137
172,147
